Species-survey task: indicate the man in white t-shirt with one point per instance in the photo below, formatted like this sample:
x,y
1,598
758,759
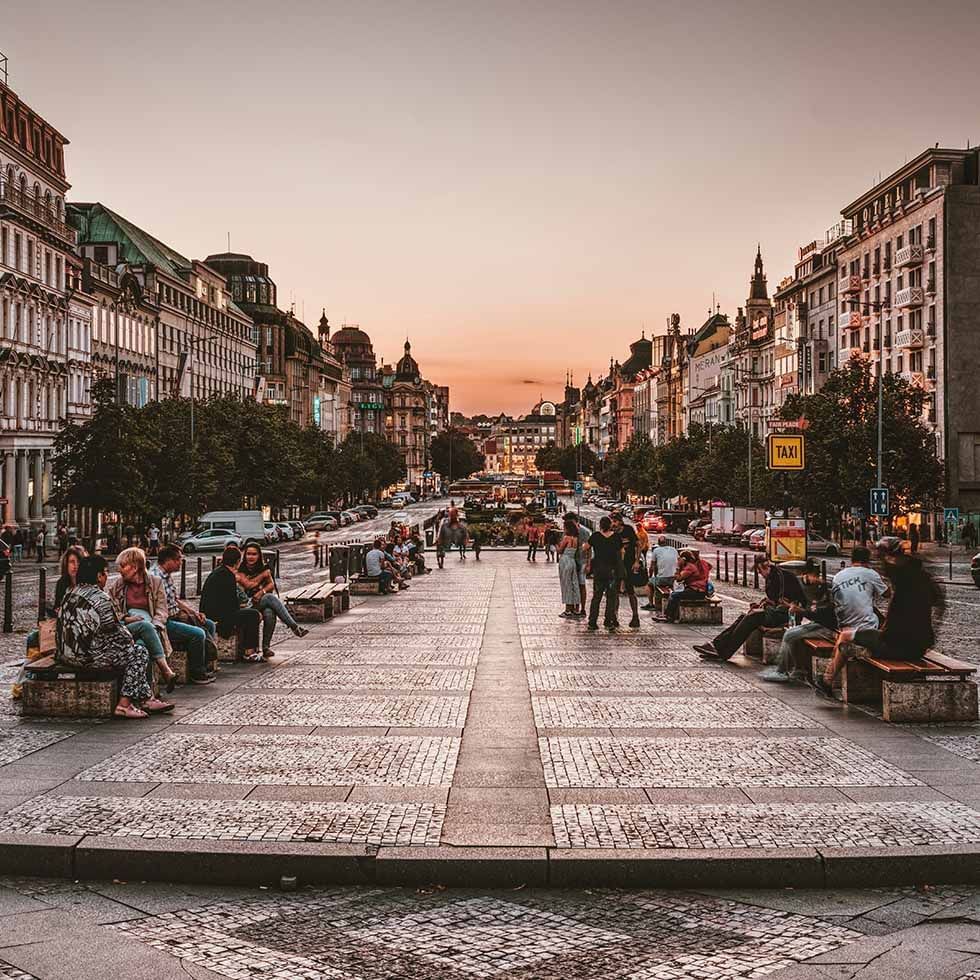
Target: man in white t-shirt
x,y
854,591
376,565
663,568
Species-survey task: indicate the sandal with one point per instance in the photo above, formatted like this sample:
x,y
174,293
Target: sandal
x,y
253,658
156,706
171,683
128,711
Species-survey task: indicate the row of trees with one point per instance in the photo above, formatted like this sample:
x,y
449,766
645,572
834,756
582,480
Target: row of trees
x,y
143,463
841,454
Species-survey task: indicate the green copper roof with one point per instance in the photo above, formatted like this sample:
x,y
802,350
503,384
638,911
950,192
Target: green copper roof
x,y
96,223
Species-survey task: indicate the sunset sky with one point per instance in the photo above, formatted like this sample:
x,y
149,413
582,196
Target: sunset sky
x,y
520,188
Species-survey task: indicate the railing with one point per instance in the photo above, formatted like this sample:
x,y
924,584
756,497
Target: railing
x,y
851,320
911,339
908,255
850,285
33,207
909,296
914,378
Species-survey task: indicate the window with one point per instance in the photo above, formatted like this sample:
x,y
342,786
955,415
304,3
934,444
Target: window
x,y
101,254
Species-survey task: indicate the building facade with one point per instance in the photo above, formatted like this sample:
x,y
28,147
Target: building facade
x,y
36,310
155,305
909,297
517,441
752,357
704,403
366,401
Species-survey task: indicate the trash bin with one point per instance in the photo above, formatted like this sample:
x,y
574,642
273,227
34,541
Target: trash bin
x,y
338,562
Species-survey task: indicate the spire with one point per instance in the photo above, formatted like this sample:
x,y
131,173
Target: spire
x,y
408,346
757,285
324,325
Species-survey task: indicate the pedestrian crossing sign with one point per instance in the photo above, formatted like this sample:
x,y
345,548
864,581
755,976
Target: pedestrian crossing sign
x,y
787,452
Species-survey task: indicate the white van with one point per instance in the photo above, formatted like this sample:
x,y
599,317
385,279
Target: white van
x,y
248,524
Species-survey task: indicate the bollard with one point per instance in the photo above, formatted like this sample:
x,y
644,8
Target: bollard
x,y
755,575
198,592
277,562
214,562
8,603
42,594
745,570
951,564
726,566
183,578
823,570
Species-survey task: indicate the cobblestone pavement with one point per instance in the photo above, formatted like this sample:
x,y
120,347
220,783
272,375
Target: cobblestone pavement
x,y
55,930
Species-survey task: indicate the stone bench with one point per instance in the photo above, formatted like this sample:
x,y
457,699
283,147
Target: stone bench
x,y
365,585
935,688
311,603
763,644
341,597
704,611
60,691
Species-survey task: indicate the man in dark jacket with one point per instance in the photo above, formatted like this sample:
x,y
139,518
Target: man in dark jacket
x,y
783,590
220,602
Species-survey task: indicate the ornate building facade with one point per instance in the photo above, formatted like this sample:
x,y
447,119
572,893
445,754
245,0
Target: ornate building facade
x,y
37,312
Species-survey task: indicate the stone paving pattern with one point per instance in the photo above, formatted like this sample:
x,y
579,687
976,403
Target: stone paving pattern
x,y
15,743
283,760
765,825
391,824
367,678
659,681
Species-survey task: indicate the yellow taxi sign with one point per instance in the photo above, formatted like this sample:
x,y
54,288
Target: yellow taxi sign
x,y
787,452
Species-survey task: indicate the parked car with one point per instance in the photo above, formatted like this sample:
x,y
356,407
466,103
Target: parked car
x,y
352,516
746,535
321,521
702,531
757,539
211,539
654,523
287,530
368,510
247,524
817,544
299,530
273,532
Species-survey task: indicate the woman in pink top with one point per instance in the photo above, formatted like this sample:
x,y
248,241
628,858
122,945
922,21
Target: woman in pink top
x,y
693,573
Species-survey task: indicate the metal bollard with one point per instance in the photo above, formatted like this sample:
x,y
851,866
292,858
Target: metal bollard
x,y
198,592
755,576
745,570
183,578
726,566
42,594
8,603
214,562
278,556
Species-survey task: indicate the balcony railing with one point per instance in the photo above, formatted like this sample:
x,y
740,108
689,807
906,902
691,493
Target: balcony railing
x,y
909,296
33,207
850,285
909,255
915,378
911,339
851,320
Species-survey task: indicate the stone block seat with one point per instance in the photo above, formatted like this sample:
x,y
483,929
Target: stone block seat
x,y
366,585
312,603
707,610
60,691
935,688
661,594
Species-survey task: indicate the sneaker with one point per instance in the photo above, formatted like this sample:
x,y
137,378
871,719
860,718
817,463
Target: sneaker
x,y
707,649
592,627
209,679
648,607
300,632
774,676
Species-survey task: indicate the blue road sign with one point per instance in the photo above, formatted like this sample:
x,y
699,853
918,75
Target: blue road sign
x,y
577,486
951,515
879,502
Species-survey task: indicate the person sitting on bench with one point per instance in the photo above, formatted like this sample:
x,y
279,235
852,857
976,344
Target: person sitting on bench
x,y
220,603
907,632
376,565
783,590
254,577
663,568
90,636
693,573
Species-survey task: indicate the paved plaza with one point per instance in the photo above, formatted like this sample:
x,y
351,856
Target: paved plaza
x,y
462,734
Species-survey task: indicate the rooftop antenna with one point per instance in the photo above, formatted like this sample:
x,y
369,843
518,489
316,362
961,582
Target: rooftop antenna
x,y
229,241
3,67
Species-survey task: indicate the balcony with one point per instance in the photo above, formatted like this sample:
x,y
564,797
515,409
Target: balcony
x,y
909,296
909,255
852,320
850,285
909,339
915,378
28,205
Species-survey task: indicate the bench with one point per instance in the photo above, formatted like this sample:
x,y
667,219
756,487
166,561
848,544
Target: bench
x,y
700,611
366,585
764,643
341,597
933,689
60,691
311,603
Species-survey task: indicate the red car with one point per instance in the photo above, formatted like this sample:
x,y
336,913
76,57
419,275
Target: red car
x,y
654,523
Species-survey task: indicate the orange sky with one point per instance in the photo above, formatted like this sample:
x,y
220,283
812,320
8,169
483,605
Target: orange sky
x,y
519,188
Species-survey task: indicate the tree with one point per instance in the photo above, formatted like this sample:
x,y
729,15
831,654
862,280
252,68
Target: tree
x,y
454,456
841,444
370,463
548,457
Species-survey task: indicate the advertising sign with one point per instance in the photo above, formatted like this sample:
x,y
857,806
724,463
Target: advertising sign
x,y
786,540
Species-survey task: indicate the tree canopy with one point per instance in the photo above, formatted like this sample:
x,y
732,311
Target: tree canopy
x,y
454,456
570,461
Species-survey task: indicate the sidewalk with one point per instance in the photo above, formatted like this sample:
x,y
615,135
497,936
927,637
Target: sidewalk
x,y
462,733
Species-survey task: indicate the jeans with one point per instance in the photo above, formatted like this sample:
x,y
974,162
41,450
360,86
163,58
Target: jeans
x,y
184,636
729,641
532,550
604,584
793,640
273,608
385,578
673,608
145,632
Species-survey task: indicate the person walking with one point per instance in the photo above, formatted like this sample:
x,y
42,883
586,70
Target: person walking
x,y
551,538
631,564
532,542
783,590
476,540
39,542
569,558
914,538
605,561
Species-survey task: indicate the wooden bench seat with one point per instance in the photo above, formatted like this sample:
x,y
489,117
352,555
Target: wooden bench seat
x,y
311,603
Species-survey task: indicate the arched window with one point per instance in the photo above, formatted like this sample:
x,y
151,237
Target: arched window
x,y
47,203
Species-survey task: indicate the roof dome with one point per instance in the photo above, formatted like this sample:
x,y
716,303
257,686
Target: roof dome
x,y
407,368
351,335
